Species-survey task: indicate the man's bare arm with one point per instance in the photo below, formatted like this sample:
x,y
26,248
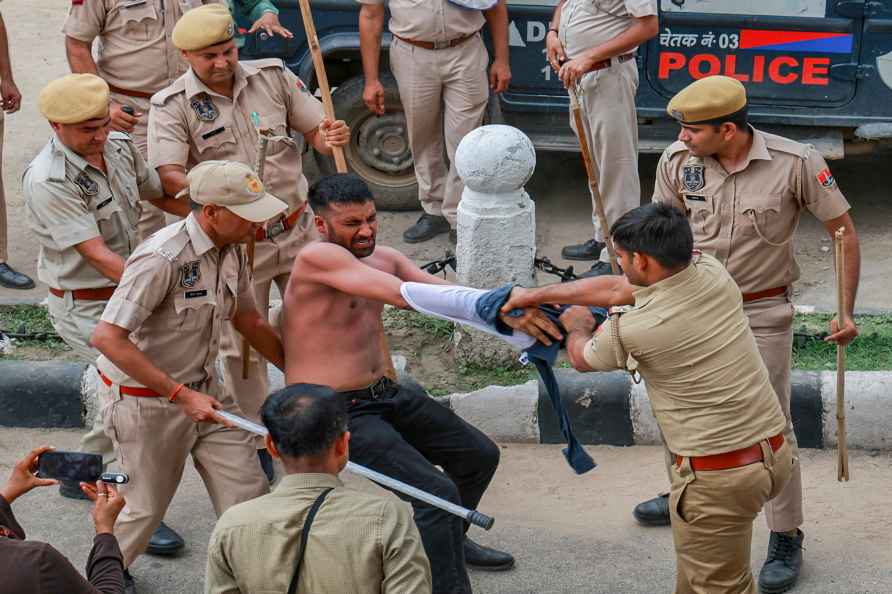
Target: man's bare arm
x,y
371,25
844,331
408,271
100,257
333,266
260,334
602,291
80,56
173,179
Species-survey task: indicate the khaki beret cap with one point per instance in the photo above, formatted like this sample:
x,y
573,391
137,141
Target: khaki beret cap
x,y
74,98
707,99
235,186
203,27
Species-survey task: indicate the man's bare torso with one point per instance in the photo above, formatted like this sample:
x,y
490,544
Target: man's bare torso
x,y
332,338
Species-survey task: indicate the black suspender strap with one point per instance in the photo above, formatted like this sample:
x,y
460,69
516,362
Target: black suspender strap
x,y
304,534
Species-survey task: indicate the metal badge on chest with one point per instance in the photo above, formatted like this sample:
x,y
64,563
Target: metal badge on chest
x,y
204,107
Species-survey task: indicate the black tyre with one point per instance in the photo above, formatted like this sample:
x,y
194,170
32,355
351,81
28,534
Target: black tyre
x,y
379,146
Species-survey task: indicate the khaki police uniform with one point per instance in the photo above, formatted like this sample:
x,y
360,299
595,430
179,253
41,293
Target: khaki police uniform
x,y
361,543
176,295
443,91
608,99
747,220
189,123
135,56
711,394
68,201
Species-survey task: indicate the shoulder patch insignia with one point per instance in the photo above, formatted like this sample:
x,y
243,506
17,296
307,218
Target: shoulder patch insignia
x,y
204,107
189,274
826,178
694,177
87,184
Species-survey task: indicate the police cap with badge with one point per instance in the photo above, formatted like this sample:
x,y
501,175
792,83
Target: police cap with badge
x,y
234,186
203,27
710,100
74,98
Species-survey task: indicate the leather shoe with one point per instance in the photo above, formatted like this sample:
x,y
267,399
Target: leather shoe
x,y
653,512
11,279
782,565
426,227
599,268
590,250
129,584
71,490
266,463
486,558
165,541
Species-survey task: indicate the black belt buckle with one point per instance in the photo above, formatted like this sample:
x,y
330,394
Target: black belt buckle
x,y
380,389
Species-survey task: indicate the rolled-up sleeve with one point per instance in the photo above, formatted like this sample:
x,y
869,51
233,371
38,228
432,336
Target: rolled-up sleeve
x,y
641,8
820,192
305,113
168,135
144,285
85,20
62,212
599,352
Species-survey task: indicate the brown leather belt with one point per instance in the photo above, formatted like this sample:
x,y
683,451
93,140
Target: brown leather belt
x,y
129,93
436,45
131,390
734,459
280,226
101,294
747,297
611,61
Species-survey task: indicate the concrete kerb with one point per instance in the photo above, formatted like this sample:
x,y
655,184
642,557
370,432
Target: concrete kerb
x,y
604,408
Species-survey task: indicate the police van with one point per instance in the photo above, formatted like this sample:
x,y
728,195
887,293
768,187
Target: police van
x,y
819,71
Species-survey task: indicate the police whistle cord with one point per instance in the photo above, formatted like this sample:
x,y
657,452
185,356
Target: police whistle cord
x,y
543,264
472,516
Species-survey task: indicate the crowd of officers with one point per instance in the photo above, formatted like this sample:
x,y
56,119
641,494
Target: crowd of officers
x,y
161,109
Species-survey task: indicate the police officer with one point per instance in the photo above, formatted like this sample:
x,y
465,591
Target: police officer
x,y
159,337
439,60
12,100
137,59
688,337
210,113
82,196
592,47
744,191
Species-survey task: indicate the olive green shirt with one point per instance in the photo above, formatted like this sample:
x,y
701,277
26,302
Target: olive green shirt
x,y
359,543
692,343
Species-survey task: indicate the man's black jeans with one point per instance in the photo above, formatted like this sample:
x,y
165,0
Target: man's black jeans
x,y
404,433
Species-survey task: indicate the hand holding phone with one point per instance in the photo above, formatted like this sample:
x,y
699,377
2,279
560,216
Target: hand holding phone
x,y
108,505
24,478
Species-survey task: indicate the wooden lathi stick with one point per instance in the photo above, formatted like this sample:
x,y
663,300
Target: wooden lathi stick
x,y
842,466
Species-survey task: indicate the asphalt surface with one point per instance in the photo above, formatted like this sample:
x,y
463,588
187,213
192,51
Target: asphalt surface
x,y
570,534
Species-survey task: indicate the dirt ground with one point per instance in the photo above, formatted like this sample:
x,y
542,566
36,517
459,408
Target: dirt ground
x,y
558,186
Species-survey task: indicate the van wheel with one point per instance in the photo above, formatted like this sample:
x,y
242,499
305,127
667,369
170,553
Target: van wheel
x,y
378,151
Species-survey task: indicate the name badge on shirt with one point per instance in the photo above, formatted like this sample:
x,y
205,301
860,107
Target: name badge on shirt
x,y
212,133
104,203
693,198
197,293
204,108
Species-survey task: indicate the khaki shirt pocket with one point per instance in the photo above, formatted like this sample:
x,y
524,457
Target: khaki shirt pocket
x,y
278,125
194,307
759,215
700,209
230,297
109,217
139,18
214,140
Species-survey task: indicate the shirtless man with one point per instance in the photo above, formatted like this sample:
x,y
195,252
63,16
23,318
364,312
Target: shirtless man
x,y
333,335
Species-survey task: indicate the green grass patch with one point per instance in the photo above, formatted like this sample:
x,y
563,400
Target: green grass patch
x,y
34,321
434,327
871,351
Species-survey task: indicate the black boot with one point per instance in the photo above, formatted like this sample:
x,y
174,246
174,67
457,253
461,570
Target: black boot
x,y
590,250
486,558
653,512
165,541
599,268
71,490
129,584
266,463
782,565
426,227
12,279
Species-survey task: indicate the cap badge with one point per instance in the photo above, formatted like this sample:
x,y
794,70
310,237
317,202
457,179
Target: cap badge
x,y
677,115
204,108
189,274
254,185
694,177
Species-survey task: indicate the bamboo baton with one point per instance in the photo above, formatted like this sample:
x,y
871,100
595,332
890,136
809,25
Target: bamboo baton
x,y
262,145
842,464
582,133
321,77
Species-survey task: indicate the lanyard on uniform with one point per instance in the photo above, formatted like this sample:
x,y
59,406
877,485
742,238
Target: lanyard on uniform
x,y
304,533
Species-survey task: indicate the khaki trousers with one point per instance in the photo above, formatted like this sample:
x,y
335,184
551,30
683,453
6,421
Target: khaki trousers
x,y
444,94
771,321
608,102
273,260
153,438
75,321
151,218
4,254
712,521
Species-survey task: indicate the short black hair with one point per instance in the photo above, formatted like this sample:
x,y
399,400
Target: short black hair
x,y
658,230
340,188
304,419
738,118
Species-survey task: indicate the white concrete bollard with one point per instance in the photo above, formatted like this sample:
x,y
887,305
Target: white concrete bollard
x,y
496,224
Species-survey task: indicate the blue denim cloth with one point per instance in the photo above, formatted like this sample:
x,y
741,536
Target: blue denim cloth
x,y
543,357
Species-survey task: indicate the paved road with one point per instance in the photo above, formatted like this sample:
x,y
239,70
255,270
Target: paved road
x,y
558,186
570,534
